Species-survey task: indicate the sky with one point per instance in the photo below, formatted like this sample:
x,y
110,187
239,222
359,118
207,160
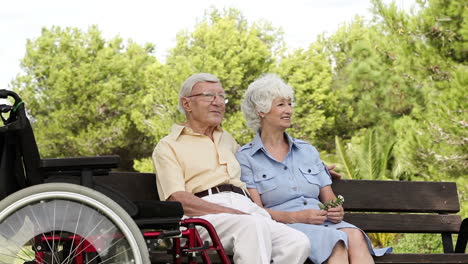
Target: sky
x,y
159,21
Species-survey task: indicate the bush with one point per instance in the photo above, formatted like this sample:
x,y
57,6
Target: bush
x,y
417,243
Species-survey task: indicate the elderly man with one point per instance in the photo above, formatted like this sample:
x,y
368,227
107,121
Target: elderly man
x,y
197,167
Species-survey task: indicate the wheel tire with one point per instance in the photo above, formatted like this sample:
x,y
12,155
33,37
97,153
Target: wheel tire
x,y
67,210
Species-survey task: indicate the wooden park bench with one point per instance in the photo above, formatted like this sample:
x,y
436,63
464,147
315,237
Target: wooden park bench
x,y
374,206
407,207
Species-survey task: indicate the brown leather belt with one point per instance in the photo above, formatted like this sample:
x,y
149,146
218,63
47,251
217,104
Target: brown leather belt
x,y
223,188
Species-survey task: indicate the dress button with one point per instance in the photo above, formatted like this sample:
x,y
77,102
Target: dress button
x,y
264,175
305,203
308,170
285,167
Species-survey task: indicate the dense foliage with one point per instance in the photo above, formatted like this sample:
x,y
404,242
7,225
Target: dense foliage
x,y
386,99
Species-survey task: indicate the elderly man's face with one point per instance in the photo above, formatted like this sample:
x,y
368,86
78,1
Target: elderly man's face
x,y
206,111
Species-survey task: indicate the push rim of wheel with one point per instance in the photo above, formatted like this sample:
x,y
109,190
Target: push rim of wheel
x,y
48,201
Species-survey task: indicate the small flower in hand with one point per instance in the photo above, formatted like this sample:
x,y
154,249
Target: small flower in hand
x,y
333,203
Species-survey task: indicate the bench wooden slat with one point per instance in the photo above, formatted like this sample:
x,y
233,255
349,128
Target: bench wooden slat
x,y
404,223
398,196
447,258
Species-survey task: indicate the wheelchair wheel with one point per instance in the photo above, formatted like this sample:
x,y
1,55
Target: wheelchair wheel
x,y
67,223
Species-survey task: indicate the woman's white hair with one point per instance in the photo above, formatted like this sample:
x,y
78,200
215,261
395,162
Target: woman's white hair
x,y
259,96
187,86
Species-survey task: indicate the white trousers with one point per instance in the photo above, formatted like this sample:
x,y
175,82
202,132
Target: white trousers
x,y
254,238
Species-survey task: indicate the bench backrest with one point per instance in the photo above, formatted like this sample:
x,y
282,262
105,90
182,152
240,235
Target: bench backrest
x,y
411,207
375,206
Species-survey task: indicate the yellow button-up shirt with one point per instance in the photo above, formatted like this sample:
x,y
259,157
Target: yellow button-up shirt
x,y
192,162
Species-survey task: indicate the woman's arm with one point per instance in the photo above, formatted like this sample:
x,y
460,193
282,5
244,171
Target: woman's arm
x,y
335,214
309,216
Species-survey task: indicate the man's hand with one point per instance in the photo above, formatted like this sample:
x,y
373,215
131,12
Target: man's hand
x,y
335,175
335,214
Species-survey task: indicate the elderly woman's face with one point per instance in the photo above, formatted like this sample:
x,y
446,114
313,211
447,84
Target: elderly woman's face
x,y
280,114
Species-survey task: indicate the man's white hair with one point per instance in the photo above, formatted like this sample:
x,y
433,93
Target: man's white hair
x,y
259,96
187,86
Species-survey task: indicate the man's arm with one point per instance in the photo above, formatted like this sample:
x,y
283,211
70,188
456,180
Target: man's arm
x,y
195,206
335,175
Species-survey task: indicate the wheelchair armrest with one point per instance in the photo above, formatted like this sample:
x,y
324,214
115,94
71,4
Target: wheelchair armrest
x,y
85,167
79,163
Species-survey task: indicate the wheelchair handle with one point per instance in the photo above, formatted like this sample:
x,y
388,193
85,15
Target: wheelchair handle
x,y
5,93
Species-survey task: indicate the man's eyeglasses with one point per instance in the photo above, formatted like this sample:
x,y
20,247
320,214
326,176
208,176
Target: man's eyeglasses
x,y
210,97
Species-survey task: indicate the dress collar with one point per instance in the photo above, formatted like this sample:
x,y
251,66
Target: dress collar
x,y
257,143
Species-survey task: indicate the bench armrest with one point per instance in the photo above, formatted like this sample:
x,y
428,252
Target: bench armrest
x,y
462,237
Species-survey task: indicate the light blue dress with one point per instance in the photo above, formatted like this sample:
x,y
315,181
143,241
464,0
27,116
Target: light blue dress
x,y
293,185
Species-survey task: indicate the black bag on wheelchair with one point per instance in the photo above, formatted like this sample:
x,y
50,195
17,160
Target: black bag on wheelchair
x,y
15,135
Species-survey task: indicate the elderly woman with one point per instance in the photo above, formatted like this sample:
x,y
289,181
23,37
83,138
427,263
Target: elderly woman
x,y
286,176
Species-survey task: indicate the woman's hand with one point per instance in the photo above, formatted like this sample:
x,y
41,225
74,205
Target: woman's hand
x,y
335,214
310,216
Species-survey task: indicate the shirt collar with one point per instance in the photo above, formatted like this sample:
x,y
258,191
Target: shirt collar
x,y
257,143
178,130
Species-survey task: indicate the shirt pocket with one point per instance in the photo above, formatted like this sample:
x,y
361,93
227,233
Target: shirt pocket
x,y
311,173
265,181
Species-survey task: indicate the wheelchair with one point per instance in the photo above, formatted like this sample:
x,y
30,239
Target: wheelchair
x,y
62,210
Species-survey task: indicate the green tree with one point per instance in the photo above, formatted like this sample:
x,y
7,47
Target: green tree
x,y
81,90
445,26
432,138
372,80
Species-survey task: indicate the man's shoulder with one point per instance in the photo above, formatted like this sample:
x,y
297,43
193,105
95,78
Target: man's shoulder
x,y
227,137
226,134
165,142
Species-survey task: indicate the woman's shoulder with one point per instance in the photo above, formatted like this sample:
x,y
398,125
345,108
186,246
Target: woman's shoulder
x,y
303,145
245,147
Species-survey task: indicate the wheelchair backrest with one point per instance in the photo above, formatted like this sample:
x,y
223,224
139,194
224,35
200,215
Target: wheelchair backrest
x,y
19,155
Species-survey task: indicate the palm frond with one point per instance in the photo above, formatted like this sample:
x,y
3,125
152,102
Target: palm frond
x,y
385,159
349,167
